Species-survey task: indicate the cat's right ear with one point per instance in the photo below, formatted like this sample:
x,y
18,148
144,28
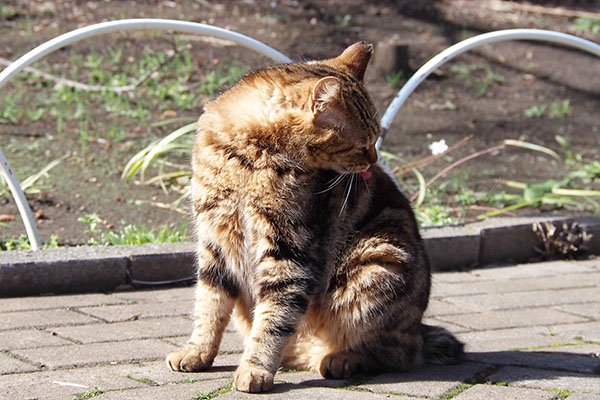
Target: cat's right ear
x,y
326,102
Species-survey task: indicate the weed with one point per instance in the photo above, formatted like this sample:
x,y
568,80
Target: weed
x,y
130,234
22,243
556,109
207,395
561,393
395,79
461,387
587,24
88,394
222,75
473,76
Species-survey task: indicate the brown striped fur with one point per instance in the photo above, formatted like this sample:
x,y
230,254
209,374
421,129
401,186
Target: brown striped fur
x,y
322,268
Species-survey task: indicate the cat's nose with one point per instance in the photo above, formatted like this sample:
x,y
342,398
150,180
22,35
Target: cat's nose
x,y
372,155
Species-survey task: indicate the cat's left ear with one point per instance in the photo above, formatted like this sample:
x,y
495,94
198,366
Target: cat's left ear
x,y
356,58
326,102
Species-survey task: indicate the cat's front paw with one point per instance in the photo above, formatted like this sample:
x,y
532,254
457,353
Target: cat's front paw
x,y
190,359
253,379
339,365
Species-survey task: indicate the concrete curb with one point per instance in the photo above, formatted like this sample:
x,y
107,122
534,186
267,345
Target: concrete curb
x,y
97,269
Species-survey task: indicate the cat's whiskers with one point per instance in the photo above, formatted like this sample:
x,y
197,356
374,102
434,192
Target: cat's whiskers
x,y
334,182
348,189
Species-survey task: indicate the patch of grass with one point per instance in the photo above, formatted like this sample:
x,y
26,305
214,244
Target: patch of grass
x,y
556,109
130,234
461,387
561,394
145,381
223,75
587,24
395,79
208,395
22,243
482,77
88,394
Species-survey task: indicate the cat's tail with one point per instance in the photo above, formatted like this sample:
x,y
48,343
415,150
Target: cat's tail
x,y
441,346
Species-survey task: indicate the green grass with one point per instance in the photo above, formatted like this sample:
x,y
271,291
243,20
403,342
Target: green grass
x,y
211,394
22,243
587,24
130,234
555,109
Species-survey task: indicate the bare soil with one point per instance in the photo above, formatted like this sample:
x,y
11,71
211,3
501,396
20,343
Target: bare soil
x,y
446,106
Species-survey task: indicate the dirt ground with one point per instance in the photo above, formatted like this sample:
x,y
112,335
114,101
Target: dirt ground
x,y
483,93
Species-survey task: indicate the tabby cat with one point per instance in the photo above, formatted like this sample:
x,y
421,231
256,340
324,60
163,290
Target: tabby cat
x,y
303,236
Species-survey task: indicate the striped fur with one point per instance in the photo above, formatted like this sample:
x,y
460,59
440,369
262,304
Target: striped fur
x,y
322,269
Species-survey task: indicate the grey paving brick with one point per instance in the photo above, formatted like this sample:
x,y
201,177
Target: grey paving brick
x,y
587,331
590,310
306,378
97,353
534,270
158,295
500,285
119,331
232,342
181,391
512,318
62,301
285,391
479,392
430,380
457,277
63,384
512,338
158,372
548,379
584,396
448,325
538,298
28,338
126,312
439,307
538,359
10,365
584,349
42,318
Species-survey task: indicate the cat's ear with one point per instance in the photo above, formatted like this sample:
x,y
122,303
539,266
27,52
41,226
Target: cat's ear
x,y
326,102
356,58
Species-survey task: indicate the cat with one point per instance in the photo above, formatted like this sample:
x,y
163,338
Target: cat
x,y
302,234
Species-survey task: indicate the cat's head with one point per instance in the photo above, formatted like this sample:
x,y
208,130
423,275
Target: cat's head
x,y
344,120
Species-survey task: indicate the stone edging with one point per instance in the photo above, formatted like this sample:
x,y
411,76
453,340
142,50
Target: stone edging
x,y
96,269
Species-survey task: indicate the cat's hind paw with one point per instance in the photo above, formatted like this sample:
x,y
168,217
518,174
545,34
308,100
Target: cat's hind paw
x,y
190,359
253,379
339,365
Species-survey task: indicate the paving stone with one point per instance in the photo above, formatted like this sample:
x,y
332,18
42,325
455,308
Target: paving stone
x,y
62,270
479,392
232,342
288,391
306,378
538,298
582,348
499,285
158,295
547,379
78,355
430,380
29,338
456,277
512,338
587,331
62,301
590,310
439,307
158,372
512,318
119,331
63,384
9,365
42,318
180,391
448,325
584,396
128,312
534,270
158,262
538,359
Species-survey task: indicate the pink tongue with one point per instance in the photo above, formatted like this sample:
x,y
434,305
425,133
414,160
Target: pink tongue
x,y
366,175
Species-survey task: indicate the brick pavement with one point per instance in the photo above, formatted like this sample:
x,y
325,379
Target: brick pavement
x,y
532,332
